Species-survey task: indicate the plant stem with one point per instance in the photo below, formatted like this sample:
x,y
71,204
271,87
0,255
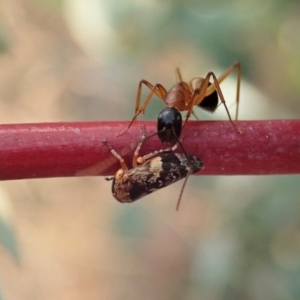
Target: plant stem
x,y
76,149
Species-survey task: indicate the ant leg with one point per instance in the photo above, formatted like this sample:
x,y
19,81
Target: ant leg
x,y
195,116
212,88
182,188
178,75
116,155
141,110
219,91
157,89
199,94
179,79
187,175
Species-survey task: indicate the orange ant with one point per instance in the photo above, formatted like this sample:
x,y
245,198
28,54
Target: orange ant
x,y
183,96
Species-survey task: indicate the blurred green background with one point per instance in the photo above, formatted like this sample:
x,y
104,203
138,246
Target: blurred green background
x,y
76,60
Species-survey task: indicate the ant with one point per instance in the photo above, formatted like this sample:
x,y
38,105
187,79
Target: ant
x,y
183,96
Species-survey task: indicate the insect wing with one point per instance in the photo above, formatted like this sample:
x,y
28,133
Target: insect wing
x,y
153,175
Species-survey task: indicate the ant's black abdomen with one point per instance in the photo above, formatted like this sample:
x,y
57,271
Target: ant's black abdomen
x,y
210,103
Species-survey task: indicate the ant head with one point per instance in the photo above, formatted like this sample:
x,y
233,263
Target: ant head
x,y
169,124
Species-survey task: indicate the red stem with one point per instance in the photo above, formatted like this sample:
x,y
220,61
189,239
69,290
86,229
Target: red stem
x,y
76,149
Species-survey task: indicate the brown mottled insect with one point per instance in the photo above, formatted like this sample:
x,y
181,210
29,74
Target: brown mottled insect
x,y
183,96
151,172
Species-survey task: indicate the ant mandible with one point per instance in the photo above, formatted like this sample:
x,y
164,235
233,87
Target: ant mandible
x,y
183,96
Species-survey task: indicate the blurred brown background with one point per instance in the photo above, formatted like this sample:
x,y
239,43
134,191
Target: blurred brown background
x,y
76,60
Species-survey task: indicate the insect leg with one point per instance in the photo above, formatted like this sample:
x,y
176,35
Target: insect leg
x,y
179,79
116,155
138,147
236,66
199,94
187,175
142,159
157,89
178,75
